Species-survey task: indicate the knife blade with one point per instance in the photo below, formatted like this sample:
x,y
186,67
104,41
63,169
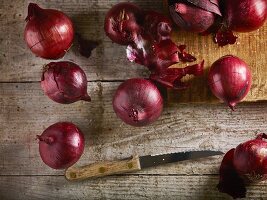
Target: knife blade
x,y
133,164
151,161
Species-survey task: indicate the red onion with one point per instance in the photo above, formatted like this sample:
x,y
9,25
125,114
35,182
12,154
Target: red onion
x,y
64,82
49,33
245,15
61,145
243,165
194,15
229,79
250,159
138,102
121,22
240,16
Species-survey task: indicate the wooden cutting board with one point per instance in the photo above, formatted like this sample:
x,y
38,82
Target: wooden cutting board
x,y
251,47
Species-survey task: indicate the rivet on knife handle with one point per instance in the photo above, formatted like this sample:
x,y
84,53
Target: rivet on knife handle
x,y
103,169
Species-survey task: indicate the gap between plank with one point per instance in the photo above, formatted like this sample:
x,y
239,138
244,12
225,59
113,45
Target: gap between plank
x,y
115,175
97,81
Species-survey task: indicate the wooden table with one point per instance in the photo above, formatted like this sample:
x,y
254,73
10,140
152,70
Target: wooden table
x,y
26,112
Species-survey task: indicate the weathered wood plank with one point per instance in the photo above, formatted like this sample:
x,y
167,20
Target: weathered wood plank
x,y
120,187
180,128
108,61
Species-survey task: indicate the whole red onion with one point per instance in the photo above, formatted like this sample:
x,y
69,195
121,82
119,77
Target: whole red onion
x,y
245,15
61,145
194,15
243,165
250,159
49,33
122,22
240,16
64,82
230,79
138,102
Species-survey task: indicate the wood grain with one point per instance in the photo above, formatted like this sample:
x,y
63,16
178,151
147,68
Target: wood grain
x,y
120,187
180,128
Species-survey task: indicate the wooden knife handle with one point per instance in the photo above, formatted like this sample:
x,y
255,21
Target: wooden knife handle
x,y
103,169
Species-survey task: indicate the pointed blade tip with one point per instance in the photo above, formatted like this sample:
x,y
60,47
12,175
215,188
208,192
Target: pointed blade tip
x,y
215,153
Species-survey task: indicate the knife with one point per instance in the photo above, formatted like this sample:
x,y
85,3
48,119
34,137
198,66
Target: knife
x,y
133,164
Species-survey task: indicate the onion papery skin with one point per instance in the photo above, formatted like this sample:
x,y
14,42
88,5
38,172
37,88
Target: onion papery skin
x,y
138,102
61,145
64,82
148,40
154,55
250,159
49,33
245,15
122,23
159,56
230,79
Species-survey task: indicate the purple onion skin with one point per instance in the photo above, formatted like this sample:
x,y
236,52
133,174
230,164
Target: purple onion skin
x,y
49,33
138,102
64,82
61,145
245,15
230,79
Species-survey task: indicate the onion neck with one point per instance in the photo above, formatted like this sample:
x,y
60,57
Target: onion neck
x,y
33,11
232,105
47,140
